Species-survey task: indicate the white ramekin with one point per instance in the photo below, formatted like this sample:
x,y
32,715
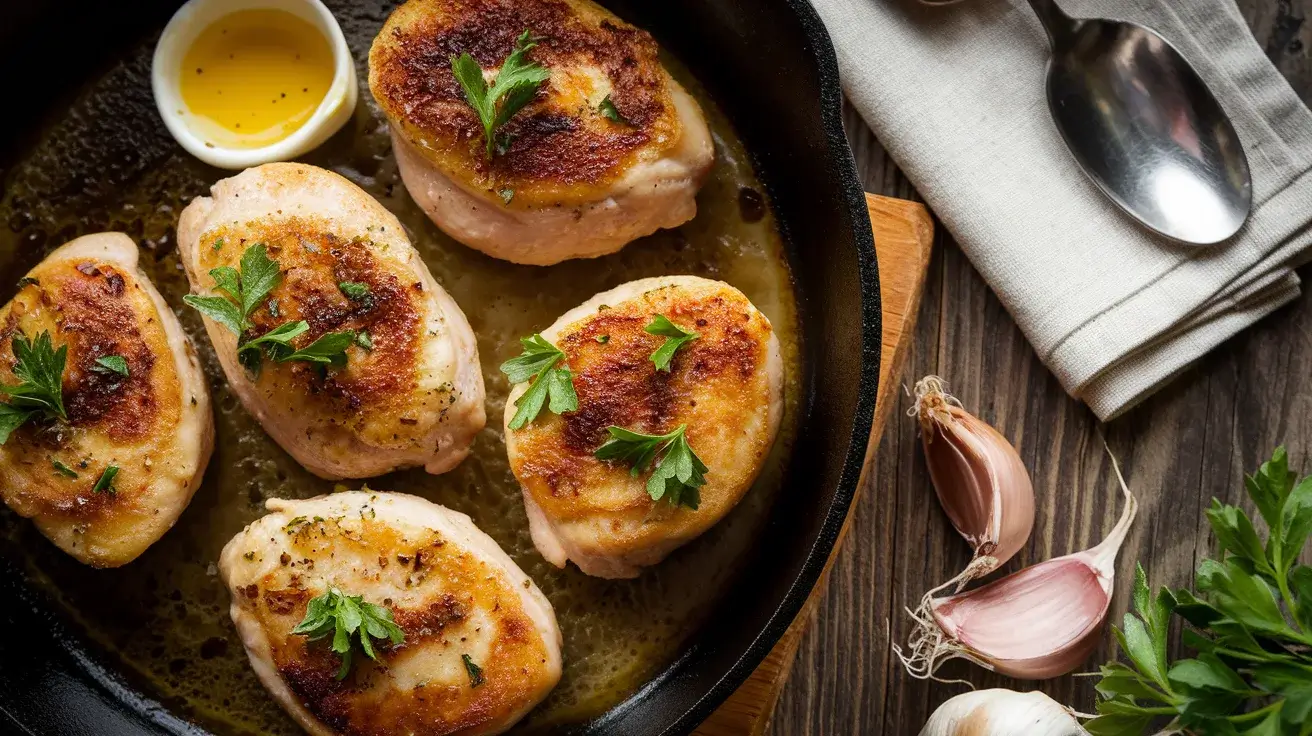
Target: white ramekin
x,y
166,69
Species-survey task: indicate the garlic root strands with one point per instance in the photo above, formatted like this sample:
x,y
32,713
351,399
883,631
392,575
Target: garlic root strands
x,y
1002,712
1040,622
978,476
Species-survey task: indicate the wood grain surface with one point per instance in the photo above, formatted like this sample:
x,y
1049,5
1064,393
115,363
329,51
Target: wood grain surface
x,y
1189,443
903,236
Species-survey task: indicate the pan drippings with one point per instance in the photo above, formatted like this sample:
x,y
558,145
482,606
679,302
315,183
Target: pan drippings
x,y
109,164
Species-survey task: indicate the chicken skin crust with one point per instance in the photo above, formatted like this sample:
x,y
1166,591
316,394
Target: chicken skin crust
x,y
154,424
456,595
610,149
726,386
411,392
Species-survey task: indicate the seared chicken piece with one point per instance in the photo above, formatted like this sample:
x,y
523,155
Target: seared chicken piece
x,y
611,148
108,481
481,644
726,386
411,392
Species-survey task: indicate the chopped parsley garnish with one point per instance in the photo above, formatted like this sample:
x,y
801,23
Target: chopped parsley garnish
x,y
354,290
679,472
329,349
603,339
40,394
63,469
475,672
506,195
363,339
608,110
106,482
112,364
27,281
548,384
218,244
516,84
675,338
351,622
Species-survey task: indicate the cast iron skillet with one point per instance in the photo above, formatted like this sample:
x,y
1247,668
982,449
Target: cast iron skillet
x,y
770,66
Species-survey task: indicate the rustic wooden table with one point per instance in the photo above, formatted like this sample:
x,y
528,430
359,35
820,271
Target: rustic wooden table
x,y
1189,443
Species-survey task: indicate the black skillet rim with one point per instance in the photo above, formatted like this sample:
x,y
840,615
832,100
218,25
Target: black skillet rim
x,y
831,106
109,690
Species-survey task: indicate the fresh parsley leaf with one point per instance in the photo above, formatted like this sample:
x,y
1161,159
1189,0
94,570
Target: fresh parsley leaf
x,y
63,469
245,289
675,338
678,474
354,290
351,622
218,309
548,384
40,394
277,341
11,418
608,110
475,672
329,349
506,195
602,339
106,482
112,364
218,244
516,84
363,339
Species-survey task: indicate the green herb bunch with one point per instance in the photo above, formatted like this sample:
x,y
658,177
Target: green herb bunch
x,y
351,622
515,86
39,394
1249,624
247,289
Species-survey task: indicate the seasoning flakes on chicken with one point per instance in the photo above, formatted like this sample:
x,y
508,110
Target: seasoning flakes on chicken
x,y
381,613
677,394
328,324
540,130
107,427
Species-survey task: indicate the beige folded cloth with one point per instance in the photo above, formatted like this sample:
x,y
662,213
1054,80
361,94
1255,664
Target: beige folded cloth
x,y
956,95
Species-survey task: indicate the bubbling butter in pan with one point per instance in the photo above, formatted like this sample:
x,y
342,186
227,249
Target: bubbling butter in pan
x,y
254,77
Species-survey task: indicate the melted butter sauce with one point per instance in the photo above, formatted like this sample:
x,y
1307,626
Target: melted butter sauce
x,y
162,620
254,77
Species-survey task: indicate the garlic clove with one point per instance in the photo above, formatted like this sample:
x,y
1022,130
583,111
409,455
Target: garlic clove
x,y
1000,712
978,476
1040,622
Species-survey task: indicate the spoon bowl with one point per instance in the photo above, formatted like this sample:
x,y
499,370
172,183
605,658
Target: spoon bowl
x,y
1145,128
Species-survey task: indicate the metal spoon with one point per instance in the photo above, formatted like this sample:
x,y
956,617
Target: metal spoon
x,y
1145,128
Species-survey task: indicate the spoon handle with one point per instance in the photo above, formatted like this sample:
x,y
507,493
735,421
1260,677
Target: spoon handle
x,y
1059,26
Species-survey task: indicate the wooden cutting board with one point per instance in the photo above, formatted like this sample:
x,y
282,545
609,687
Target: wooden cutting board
x,y
904,234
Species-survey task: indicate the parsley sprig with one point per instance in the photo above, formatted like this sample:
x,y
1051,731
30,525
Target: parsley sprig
x,y
679,472
675,338
40,394
609,111
1250,624
515,85
548,384
350,621
246,289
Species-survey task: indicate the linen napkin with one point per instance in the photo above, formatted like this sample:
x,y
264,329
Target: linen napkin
x,y
956,95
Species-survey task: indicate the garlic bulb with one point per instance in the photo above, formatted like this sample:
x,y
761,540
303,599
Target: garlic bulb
x,y
1002,713
1040,622
978,476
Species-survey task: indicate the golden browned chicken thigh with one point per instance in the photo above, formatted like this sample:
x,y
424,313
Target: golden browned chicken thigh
x,y
608,149
462,641
722,383
109,412
339,340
